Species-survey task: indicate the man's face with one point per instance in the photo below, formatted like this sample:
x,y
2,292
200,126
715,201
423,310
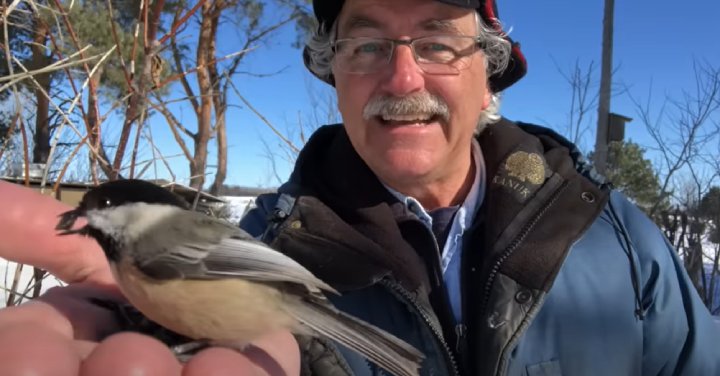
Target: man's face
x,y
407,148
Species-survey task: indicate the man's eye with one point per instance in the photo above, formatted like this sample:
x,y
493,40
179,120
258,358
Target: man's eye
x,y
436,52
368,48
437,47
434,47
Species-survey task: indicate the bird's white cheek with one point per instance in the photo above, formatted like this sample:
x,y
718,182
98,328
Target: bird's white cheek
x,y
107,222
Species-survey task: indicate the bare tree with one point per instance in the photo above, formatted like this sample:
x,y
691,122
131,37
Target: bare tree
x,y
92,132
686,136
582,101
286,144
683,127
214,76
61,52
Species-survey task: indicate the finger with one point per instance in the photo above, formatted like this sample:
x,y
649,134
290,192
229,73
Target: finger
x,y
29,220
43,313
38,314
219,361
67,311
23,345
275,354
130,354
89,321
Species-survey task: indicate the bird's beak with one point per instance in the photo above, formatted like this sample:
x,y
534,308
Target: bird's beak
x,y
67,220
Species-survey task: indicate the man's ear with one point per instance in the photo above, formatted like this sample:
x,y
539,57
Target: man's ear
x,y
486,98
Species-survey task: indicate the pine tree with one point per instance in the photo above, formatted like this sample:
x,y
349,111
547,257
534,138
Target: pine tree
x,y
633,174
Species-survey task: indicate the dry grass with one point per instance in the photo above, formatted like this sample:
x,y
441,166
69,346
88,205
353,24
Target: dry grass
x,y
18,283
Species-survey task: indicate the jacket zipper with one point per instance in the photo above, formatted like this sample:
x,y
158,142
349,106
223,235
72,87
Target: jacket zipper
x,y
515,243
460,327
460,330
523,325
437,332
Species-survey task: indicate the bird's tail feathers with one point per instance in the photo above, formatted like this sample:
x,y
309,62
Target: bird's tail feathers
x,y
380,347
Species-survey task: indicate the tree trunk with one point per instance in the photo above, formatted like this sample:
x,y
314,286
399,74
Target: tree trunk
x,y
220,104
221,173
137,102
41,140
41,59
95,136
601,146
202,137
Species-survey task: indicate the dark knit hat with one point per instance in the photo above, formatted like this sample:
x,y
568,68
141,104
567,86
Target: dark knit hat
x,y
326,11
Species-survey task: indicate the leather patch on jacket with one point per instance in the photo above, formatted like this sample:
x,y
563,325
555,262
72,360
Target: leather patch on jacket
x,y
529,238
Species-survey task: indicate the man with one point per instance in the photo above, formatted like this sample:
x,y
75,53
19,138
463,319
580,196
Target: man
x,y
486,244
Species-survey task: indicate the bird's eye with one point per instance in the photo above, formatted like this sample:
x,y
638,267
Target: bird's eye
x,y
105,202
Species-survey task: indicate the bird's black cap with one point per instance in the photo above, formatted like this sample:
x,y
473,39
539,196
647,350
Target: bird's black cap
x,y
326,11
115,193
120,192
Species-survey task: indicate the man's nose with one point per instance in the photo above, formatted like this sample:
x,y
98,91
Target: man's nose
x,y
403,75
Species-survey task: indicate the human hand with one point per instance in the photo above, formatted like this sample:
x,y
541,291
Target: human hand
x,y
29,237
57,334
63,326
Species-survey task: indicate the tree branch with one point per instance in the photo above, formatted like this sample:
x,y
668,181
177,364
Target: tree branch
x,y
264,119
174,125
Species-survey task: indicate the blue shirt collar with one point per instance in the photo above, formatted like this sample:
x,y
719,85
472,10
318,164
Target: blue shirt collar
x,y
466,212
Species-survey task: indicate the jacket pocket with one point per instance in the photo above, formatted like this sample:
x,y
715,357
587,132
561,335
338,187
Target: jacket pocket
x,y
549,368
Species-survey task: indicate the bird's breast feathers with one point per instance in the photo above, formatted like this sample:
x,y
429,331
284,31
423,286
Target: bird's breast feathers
x,y
231,309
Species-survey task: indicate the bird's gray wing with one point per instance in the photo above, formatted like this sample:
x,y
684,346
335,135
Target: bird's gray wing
x,y
202,247
245,257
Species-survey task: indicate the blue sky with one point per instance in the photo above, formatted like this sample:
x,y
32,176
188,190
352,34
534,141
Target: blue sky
x,y
655,44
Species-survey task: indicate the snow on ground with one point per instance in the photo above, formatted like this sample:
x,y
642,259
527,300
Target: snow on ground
x,y
7,274
239,205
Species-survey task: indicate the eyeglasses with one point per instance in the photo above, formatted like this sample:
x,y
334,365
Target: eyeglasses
x,y
437,54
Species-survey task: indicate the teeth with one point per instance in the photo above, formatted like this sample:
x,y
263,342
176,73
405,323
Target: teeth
x,y
413,117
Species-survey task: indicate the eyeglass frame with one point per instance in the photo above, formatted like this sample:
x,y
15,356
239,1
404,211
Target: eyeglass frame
x,y
478,45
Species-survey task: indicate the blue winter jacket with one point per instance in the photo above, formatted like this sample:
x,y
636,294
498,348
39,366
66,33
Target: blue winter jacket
x,y
563,276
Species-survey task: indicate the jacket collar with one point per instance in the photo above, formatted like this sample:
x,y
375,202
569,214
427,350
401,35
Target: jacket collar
x,y
341,200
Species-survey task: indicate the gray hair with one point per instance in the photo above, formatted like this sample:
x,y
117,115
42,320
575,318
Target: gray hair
x,y
496,49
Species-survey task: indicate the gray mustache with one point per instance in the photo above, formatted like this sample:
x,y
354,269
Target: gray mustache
x,y
422,102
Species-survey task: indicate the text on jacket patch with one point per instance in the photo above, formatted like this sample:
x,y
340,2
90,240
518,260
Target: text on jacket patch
x,y
517,186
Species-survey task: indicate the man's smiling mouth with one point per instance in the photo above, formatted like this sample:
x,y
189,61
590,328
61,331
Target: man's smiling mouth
x,y
412,119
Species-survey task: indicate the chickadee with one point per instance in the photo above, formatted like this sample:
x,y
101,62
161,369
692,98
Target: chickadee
x,y
208,280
